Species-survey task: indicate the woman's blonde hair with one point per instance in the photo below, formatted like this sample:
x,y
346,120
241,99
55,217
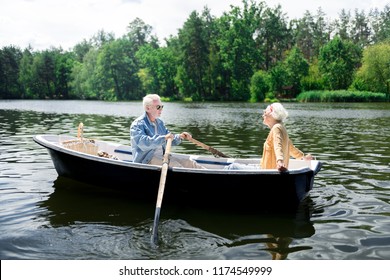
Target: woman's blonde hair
x,y
278,112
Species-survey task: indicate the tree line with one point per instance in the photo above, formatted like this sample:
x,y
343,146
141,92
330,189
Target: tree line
x,y
248,53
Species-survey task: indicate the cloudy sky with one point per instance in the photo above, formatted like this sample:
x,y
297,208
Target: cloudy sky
x,y
64,23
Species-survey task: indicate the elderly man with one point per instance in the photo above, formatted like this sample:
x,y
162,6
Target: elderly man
x,y
149,135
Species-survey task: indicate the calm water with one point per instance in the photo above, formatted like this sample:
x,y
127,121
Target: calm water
x,y
43,216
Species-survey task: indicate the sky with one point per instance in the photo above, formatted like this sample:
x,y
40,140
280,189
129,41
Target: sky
x,y
64,23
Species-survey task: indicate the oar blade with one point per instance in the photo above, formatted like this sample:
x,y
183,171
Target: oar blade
x,y
154,237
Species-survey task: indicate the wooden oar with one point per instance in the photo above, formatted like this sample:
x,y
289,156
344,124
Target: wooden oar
x,y
212,150
164,171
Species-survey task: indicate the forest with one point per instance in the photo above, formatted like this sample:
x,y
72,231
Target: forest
x,y
249,53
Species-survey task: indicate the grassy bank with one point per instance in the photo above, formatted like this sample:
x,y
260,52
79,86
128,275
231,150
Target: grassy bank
x,y
341,96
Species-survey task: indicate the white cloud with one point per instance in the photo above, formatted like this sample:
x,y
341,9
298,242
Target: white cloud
x,y
45,23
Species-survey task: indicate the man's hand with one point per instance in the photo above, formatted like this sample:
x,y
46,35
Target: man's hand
x,y
169,135
185,135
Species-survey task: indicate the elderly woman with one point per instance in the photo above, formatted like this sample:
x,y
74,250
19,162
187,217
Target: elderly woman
x,y
278,147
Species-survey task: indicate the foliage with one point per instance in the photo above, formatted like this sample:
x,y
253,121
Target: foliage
x,y
116,71
247,53
10,86
270,98
296,68
194,48
158,70
374,73
83,77
314,79
259,86
338,61
341,96
278,78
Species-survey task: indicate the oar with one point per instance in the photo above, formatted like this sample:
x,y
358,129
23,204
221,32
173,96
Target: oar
x,y
212,150
164,170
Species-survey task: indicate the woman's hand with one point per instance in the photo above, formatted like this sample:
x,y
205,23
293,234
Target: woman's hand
x,y
280,166
308,157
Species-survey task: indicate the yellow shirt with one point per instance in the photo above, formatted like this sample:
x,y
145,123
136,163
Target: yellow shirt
x,y
278,146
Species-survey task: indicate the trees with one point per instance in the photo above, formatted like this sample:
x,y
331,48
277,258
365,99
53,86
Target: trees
x,y
224,58
374,75
10,86
158,70
273,37
25,74
194,50
239,54
117,69
296,69
380,22
260,86
42,75
338,61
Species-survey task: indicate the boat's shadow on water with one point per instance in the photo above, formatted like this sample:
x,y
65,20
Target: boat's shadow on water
x,y
274,232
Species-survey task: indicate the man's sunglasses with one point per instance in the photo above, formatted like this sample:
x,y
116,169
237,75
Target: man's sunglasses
x,y
159,107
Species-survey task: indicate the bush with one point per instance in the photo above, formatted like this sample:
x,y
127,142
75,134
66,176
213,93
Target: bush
x,y
270,98
259,86
341,96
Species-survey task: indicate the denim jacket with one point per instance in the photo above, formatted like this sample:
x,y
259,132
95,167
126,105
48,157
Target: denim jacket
x,y
144,140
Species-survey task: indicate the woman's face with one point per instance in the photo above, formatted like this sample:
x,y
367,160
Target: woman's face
x,y
267,118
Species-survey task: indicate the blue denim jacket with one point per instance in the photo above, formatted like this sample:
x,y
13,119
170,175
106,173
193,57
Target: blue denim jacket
x,y
144,140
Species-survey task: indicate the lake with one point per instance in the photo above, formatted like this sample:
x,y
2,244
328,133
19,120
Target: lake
x,y
346,216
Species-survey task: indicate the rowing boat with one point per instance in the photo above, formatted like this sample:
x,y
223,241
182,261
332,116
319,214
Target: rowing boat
x,y
110,165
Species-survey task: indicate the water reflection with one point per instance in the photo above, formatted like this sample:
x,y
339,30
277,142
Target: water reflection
x,y
74,204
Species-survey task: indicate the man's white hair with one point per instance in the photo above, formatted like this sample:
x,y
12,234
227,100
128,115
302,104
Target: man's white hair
x,y
148,99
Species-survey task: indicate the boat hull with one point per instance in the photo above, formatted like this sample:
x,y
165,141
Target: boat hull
x,y
220,188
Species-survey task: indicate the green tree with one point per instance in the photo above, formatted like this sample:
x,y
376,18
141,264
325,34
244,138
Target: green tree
x,y
158,70
43,74
194,57
343,25
84,80
303,34
273,36
321,31
102,38
314,79
80,50
374,74
259,86
296,68
25,74
380,22
239,54
9,71
360,31
139,33
338,61
278,78
63,68
311,33
117,70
